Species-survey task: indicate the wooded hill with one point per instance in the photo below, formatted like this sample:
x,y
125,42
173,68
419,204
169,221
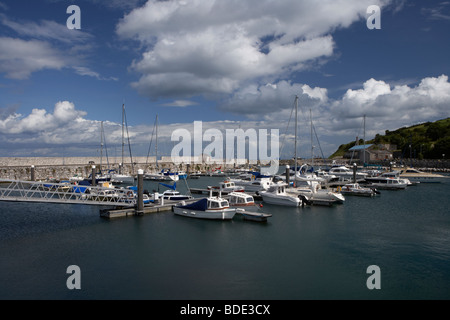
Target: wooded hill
x,y
429,140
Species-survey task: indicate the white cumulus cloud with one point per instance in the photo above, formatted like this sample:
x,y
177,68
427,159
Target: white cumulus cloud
x,y
198,47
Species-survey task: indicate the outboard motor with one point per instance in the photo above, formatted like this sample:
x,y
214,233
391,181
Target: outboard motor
x,y
304,200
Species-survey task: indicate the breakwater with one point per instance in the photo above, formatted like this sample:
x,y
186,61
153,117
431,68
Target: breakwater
x,y
19,168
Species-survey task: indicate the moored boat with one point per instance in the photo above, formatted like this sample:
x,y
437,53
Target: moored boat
x,y
415,175
387,180
355,189
277,195
227,186
215,208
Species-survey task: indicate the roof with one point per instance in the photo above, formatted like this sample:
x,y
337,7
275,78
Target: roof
x,y
360,147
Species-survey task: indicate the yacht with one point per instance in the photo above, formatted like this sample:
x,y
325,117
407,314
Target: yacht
x,y
253,183
415,175
315,195
277,194
345,173
388,180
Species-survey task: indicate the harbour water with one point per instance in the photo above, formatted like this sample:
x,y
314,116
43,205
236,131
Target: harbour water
x,y
299,253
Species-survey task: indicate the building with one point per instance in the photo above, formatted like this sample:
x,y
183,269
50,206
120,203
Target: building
x,y
371,152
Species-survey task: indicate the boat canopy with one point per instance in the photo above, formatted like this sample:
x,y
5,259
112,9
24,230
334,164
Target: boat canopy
x,y
200,205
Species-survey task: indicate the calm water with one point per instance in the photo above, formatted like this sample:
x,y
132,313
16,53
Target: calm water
x,y
300,253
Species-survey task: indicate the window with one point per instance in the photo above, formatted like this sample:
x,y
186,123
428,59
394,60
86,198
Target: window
x,y
213,204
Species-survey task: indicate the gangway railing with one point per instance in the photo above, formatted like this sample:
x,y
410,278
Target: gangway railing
x,y
38,191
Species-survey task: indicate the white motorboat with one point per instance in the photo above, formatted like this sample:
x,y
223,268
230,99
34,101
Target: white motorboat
x,y
309,186
174,195
387,180
355,189
326,176
122,178
215,208
345,173
227,186
415,175
277,194
254,182
164,175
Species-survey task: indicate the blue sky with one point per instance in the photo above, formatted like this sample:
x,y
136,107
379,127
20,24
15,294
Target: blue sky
x,y
227,63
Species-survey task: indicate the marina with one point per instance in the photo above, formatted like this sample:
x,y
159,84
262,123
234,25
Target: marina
x,y
310,252
225,155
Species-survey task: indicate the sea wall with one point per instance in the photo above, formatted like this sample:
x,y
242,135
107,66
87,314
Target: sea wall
x,y
19,168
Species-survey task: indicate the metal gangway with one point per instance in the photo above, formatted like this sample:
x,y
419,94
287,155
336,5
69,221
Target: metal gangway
x,y
65,193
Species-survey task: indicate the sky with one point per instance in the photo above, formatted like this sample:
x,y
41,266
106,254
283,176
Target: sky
x,y
228,63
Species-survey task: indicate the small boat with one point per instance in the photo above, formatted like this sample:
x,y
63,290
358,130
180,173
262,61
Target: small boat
x,y
240,199
247,207
355,189
129,195
121,178
172,193
215,208
227,186
171,175
387,180
277,195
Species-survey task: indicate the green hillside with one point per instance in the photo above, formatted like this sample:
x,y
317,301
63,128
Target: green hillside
x,y
428,140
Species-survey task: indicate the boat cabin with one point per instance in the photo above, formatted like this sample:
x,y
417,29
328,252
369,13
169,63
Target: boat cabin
x,y
277,189
217,203
241,199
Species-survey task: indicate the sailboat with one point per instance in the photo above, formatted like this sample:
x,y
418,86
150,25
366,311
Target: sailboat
x,y
164,174
121,177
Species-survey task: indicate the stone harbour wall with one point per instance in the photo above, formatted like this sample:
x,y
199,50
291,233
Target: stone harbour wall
x,y
19,168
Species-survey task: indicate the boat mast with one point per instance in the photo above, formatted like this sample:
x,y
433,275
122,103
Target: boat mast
x,y
312,145
156,143
295,143
123,134
101,146
364,142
